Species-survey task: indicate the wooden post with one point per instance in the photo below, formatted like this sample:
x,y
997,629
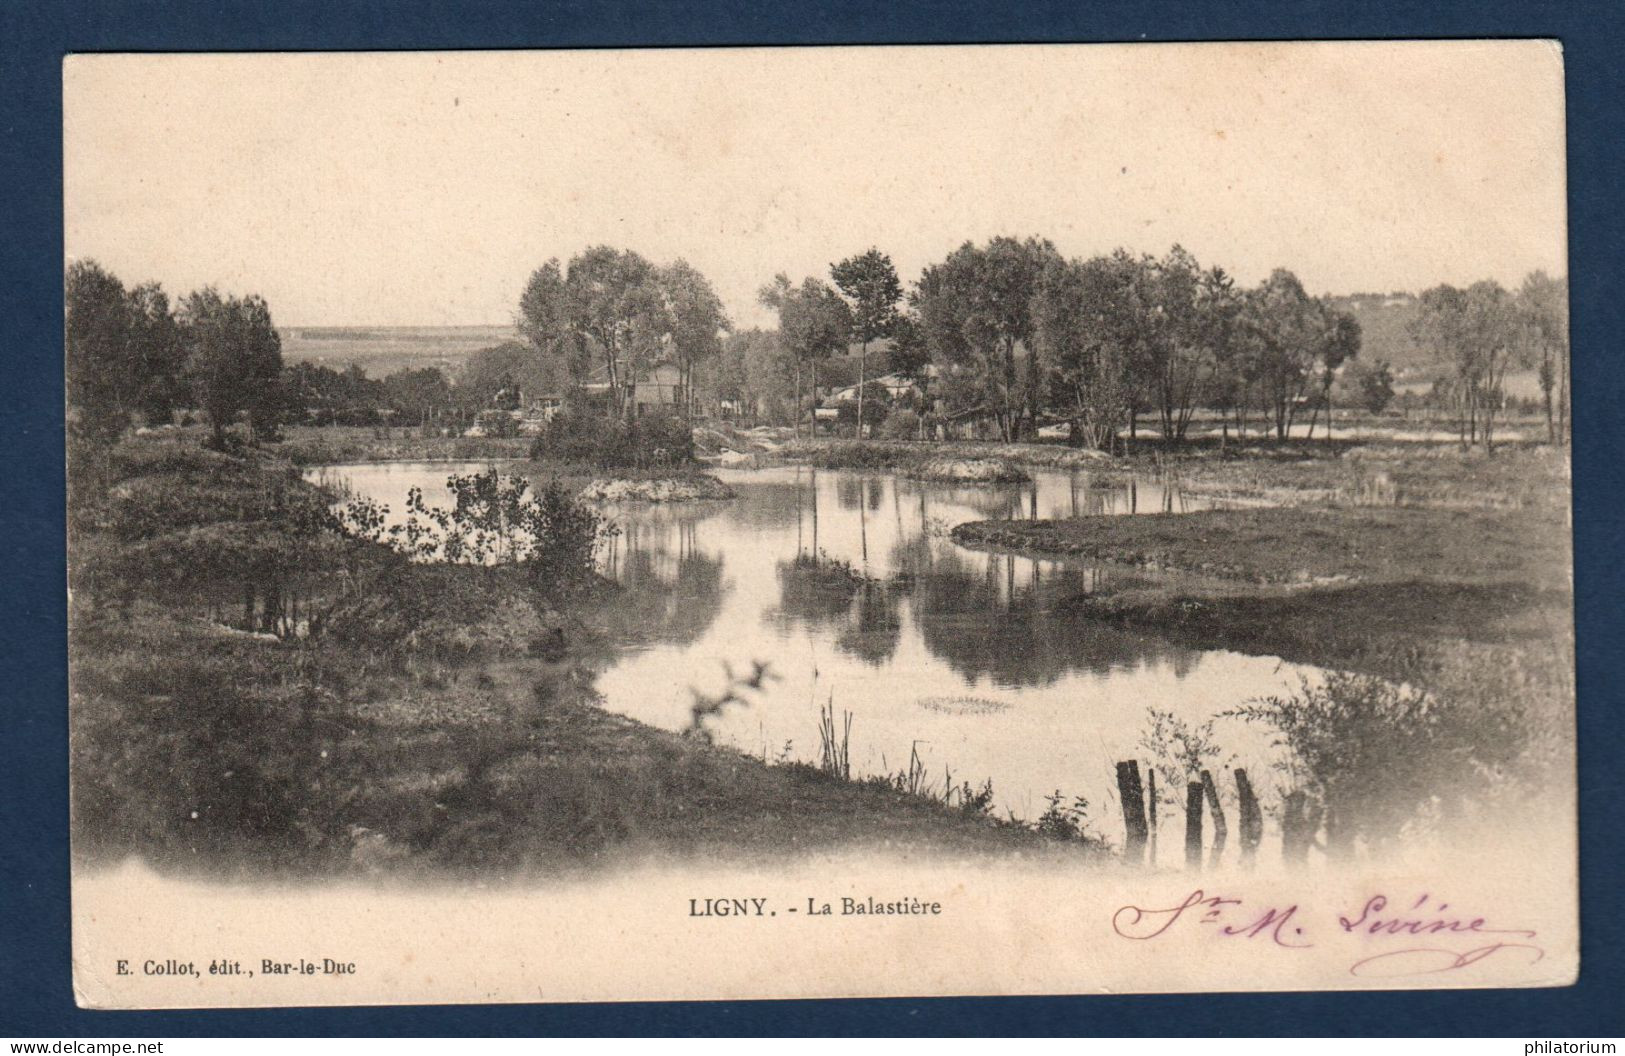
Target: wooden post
x,y
1193,824
1221,829
1295,831
1291,808
1151,808
1132,795
1252,819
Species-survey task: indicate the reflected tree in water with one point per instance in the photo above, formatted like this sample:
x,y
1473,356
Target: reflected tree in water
x,y
873,626
671,591
995,617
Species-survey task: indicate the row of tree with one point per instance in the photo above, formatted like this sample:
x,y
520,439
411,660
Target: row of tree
x,y
1013,331
1485,330
1009,331
129,353
131,356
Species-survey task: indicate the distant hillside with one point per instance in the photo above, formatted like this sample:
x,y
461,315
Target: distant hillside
x,y
1385,320
381,350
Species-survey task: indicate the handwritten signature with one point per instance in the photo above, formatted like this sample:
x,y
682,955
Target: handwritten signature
x,y
1376,922
1133,922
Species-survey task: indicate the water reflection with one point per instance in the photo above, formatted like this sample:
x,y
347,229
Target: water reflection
x,y
849,585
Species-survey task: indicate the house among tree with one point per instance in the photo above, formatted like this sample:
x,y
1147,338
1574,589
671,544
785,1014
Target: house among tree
x,y
656,390
892,388
538,411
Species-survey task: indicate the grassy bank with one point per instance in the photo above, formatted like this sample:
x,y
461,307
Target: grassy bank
x,y
908,455
362,713
330,445
1354,587
199,747
1301,544
311,445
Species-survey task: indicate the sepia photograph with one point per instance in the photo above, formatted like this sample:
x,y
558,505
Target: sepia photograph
x,y
621,525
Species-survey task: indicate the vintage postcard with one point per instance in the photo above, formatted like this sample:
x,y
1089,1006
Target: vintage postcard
x,y
814,522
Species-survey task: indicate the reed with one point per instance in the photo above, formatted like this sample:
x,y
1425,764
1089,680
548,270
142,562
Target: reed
x,y
835,747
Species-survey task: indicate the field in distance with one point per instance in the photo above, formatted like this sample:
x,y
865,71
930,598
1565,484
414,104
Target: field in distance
x,y
382,350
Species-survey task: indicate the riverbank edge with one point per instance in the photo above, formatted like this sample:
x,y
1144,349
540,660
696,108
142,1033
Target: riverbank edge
x,y
667,791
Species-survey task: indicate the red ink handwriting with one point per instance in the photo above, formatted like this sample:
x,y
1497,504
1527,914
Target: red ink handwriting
x,y
1227,915
1424,917
1427,960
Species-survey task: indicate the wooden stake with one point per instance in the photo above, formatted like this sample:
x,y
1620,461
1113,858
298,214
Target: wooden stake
x,y
1151,808
1193,824
1252,819
1221,829
1132,795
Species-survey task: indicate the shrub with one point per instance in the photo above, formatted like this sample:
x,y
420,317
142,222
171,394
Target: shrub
x,y
902,424
189,751
1062,820
495,520
616,443
1379,755
442,612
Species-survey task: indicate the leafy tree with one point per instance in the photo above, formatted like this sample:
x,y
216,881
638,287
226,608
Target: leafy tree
x,y
417,395
158,353
1543,304
1372,386
547,320
512,368
813,325
769,367
99,361
911,357
615,301
1085,331
869,283
726,376
1479,332
696,318
1339,342
616,306
975,309
1189,317
234,360
1286,325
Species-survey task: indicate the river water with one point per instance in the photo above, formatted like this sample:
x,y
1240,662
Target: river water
x,y
847,585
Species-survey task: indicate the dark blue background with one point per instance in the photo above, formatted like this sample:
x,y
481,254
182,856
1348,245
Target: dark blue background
x,y
35,995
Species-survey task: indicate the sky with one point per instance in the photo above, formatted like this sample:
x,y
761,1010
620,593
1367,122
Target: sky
x,y
422,189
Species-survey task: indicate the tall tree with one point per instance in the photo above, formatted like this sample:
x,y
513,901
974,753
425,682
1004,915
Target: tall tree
x,y
696,318
1543,304
725,377
547,320
813,325
1287,326
614,301
869,283
99,361
1338,343
769,367
1085,331
1479,331
1191,316
975,309
234,360
159,357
